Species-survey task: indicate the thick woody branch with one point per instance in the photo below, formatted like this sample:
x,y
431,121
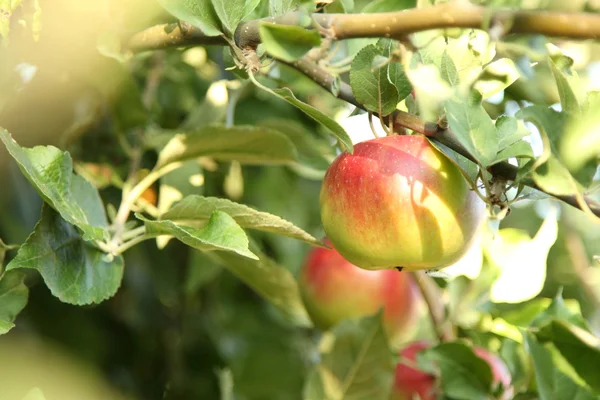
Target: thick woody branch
x,y
391,25
450,15
432,130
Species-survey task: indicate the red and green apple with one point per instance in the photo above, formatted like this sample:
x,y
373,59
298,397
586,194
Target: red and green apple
x,y
397,201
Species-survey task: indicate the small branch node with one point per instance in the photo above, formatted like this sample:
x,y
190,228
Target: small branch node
x,y
442,124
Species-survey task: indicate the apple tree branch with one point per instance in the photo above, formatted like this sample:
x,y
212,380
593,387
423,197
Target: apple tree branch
x,y
575,25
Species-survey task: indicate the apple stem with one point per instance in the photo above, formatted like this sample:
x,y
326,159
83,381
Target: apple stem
x,y
370,117
437,312
384,127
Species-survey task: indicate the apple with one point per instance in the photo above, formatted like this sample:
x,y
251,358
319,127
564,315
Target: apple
x,y
333,290
399,202
410,382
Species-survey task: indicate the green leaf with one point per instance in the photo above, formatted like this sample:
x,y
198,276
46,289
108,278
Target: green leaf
x,y
448,70
313,151
543,367
555,178
318,116
552,384
13,298
221,232
559,310
496,77
340,6
395,70
359,364
74,271
388,5
464,375
580,142
249,7
287,42
569,101
5,326
370,83
548,120
519,149
50,171
246,144
578,346
517,360
549,172
273,282
473,127
509,131
322,384
199,13
521,314
230,12
566,388
196,210
280,7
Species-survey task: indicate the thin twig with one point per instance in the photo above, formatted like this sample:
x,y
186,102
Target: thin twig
x,y
434,300
136,240
402,119
128,235
132,196
153,80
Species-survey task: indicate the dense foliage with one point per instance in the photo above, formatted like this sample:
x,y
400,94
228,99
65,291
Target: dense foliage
x,y
160,199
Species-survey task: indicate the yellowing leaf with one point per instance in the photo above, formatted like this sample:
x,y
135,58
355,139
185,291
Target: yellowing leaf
x,y
521,260
496,77
469,265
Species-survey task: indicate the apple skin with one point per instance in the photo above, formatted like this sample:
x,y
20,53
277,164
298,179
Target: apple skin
x,y
398,201
333,289
410,382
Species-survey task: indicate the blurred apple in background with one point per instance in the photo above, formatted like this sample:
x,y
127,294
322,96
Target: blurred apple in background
x,y
333,289
410,382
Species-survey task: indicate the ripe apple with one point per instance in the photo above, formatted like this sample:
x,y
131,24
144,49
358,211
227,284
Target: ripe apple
x,y
410,382
333,290
398,201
